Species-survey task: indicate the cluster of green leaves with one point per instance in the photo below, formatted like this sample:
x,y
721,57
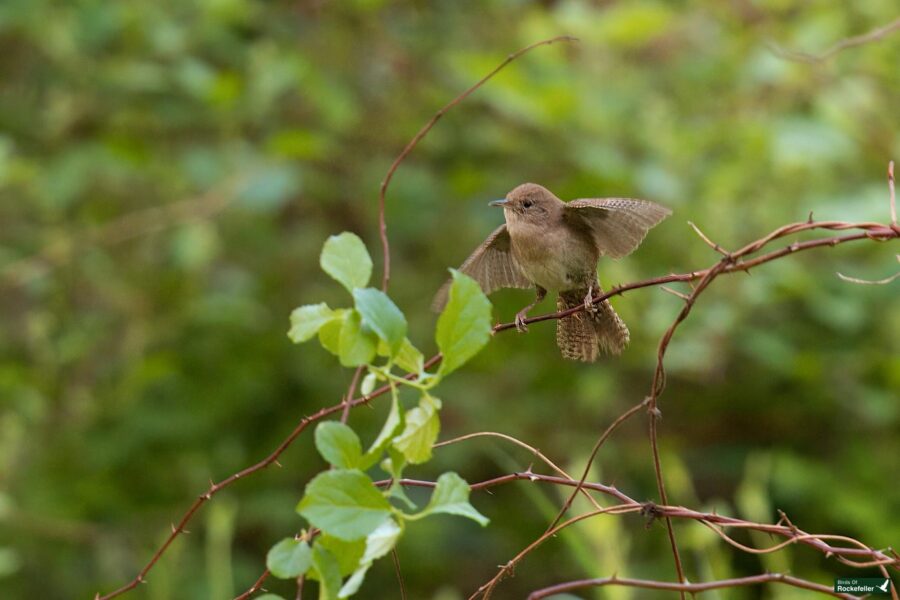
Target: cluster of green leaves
x,y
353,522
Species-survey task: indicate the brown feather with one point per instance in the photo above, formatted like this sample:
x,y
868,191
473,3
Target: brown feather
x,y
618,225
492,265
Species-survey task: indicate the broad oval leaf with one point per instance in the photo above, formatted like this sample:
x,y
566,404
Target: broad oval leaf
x,y
465,325
391,425
346,259
451,496
338,444
408,357
368,384
381,314
330,332
357,343
307,320
344,503
378,543
289,558
421,431
348,554
328,572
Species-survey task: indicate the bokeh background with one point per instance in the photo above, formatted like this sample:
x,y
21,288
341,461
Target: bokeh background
x,y
169,171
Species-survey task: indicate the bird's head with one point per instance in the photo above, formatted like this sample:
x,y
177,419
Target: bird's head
x,y
529,202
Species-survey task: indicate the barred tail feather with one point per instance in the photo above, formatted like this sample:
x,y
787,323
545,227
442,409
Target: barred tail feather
x,y
584,336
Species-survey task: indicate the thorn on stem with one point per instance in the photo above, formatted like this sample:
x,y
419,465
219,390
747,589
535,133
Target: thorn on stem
x,y
684,297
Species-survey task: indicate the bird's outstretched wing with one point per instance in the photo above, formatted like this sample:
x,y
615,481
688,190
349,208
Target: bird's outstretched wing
x,y
492,265
618,225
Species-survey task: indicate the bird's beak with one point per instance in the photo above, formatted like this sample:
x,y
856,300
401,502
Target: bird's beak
x,y
501,203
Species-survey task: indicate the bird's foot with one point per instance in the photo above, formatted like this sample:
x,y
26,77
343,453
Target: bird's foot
x,y
520,321
589,305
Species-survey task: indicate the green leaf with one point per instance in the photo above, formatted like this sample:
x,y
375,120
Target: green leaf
x,y
268,597
346,553
393,465
465,325
338,444
357,343
378,543
420,433
393,423
409,358
306,321
396,491
381,314
330,332
289,558
368,384
451,496
344,503
346,259
328,571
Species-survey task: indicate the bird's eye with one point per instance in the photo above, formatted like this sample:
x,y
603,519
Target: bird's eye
x,y
527,204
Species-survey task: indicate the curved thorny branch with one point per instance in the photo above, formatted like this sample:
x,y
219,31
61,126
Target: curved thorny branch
x,y
865,231
743,259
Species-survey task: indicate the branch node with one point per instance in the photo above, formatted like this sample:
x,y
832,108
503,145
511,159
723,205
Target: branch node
x,y
651,512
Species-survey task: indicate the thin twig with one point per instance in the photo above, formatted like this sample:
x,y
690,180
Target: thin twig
x,y
870,231
487,589
382,223
692,588
850,42
521,444
892,194
665,288
350,392
396,559
708,241
884,281
257,586
878,557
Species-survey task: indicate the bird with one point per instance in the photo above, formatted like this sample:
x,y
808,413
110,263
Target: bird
x,y
554,246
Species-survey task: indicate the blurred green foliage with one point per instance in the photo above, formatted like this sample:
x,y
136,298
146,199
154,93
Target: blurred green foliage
x,y
169,171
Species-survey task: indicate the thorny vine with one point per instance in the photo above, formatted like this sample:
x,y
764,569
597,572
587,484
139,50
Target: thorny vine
x,y
852,552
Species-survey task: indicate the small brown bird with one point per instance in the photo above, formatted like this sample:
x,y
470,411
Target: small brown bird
x,y
553,245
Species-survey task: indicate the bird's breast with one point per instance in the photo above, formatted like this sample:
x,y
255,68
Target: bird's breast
x,y
553,257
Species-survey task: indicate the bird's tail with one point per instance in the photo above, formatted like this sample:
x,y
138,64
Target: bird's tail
x,y
583,336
